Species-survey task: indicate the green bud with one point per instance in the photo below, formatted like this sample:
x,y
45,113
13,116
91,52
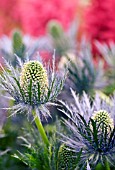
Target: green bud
x,y
55,29
103,118
17,44
34,72
66,158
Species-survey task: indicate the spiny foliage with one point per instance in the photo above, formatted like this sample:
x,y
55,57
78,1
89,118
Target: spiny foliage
x,y
61,41
37,155
92,135
108,53
97,144
83,73
19,45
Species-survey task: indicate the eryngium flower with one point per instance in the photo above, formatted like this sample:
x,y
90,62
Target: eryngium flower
x,y
66,158
103,119
35,74
97,145
32,86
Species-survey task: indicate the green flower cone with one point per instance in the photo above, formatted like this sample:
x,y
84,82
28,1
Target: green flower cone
x,y
66,158
34,76
103,119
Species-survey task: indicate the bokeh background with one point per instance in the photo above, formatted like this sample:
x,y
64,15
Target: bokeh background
x,y
81,30
95,18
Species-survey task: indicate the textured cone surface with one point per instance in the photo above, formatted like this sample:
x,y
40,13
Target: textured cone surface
x,y
102,117
66,158
33,71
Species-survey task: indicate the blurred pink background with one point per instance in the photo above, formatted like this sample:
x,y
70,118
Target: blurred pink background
x,y
95,17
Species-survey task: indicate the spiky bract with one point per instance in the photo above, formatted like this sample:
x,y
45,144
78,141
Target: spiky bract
x,y
83,73
37,156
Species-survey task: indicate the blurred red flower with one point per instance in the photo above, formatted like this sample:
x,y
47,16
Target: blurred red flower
x,y
9,16
35,14
100,22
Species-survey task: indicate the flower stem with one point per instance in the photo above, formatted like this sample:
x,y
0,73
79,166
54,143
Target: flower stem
x,y
101,167
107,167
40,128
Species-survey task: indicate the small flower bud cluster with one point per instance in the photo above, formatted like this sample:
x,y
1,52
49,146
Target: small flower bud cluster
x,y
103,118
35,74
66,158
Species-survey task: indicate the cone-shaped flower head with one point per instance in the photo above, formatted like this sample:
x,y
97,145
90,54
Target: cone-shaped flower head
x,y
34,78
66,158
103,119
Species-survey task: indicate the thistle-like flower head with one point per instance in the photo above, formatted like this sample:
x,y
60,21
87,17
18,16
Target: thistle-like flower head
x,y
66,158
92,129
103,119
34,76
32,86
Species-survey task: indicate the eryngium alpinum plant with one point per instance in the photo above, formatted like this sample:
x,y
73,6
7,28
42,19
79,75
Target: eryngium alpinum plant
x,y
108,53
33,87
84,75
92,128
